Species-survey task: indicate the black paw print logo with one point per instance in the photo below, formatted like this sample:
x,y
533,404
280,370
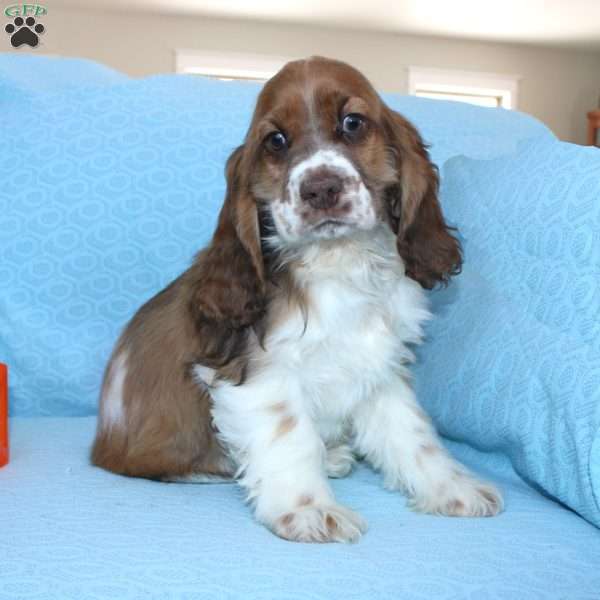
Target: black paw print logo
x,y
24,32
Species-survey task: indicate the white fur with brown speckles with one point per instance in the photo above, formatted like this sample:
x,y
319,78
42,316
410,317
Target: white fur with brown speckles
x,y
345,370
287,213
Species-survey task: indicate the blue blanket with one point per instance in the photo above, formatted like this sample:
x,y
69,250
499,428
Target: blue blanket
x,y
73,532
112,184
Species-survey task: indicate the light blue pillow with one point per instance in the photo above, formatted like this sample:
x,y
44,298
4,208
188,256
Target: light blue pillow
x,y
512,362
111,184
458,128
23,75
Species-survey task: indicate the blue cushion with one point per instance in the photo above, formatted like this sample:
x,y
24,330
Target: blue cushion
x,y
23,75
456,128
110,186
73,532
512,363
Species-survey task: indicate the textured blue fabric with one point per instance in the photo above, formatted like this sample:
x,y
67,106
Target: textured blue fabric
x,y
73,532
512,363
456,128
110,185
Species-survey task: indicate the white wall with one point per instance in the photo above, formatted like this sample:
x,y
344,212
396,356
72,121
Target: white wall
x,y
559,86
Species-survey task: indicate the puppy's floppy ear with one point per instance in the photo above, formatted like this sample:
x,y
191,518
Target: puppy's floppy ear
x,y
430,252
229,276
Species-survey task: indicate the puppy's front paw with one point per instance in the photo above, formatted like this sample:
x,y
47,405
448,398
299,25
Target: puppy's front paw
x,y
462,497
320,523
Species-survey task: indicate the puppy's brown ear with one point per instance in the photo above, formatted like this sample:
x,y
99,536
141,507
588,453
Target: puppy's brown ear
x,y
229,276
430,251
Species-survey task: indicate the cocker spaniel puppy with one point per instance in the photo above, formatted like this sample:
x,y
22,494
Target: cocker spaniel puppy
x,y
282,353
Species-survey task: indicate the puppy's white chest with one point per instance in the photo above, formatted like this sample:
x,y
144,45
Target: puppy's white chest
x,y
361,315
358,323
348,338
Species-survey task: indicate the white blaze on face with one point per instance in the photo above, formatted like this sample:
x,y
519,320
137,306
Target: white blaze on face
x,y
290,213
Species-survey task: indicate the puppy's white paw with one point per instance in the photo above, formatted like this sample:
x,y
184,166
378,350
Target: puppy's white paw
x,y
320,523
463,496
339,461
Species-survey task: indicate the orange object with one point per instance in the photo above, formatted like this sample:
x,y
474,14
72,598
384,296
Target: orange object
x,y
593,127
3,415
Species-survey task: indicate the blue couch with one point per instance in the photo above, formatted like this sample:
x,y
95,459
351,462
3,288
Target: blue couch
x,y
109,187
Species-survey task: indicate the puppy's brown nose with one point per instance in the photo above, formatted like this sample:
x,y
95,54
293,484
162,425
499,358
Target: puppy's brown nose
x,y
321,191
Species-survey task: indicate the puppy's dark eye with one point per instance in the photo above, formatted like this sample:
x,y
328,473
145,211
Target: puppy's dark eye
x,y
276,142
353,124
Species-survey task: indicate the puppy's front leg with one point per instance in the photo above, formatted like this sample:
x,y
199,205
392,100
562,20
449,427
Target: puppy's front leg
x,y
281,461
397,437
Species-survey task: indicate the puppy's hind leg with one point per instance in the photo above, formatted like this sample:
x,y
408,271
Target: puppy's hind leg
x,y
339,460
148,440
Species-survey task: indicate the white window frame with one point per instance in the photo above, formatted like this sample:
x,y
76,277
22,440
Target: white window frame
x,y
228,65
505,87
